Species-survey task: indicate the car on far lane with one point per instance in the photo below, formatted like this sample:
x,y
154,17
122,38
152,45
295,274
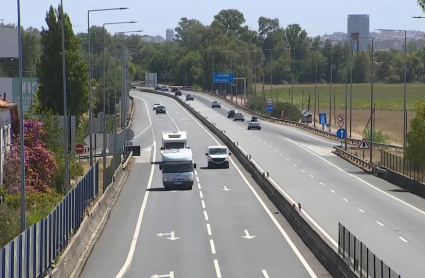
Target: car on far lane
x,y
178,93
231,113
254,123
155,106
164,89
239,117
158,88
190,97
161,109
173,89
215,103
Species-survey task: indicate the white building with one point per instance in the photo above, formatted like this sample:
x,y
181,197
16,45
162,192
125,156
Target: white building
x,y
6,111
169,35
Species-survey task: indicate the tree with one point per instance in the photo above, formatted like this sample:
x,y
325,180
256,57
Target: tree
x,y
50,69
31,49
421,3
39,161
415,147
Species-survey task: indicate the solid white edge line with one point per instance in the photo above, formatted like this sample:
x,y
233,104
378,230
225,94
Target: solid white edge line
x,y
280,228
209,230
206,215
212,246
139,221
265,273
217,269
149,117
363,181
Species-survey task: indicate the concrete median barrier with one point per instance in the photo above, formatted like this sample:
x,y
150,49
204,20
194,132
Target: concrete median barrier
x,y
327,256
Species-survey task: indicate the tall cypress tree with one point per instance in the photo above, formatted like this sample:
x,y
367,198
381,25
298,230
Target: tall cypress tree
x,y
50,70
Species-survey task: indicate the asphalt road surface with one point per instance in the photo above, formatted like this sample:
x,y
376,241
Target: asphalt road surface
x,y
390,222
224,227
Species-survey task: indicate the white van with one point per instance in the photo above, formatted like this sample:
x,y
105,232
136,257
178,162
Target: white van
x,y
177,168
174,140
218,157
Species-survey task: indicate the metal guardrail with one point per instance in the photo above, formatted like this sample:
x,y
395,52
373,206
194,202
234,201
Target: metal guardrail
x,y
351,141
358,161
32,253
360,258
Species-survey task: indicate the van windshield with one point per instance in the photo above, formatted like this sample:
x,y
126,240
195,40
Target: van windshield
x,y
174,145
218,151
177,166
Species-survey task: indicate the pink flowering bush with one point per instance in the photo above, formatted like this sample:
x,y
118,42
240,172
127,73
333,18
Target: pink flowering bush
x,y
40,163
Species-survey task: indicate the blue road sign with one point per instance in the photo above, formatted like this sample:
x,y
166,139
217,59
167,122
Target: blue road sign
x,y
341,134
223,77
269,108
322,118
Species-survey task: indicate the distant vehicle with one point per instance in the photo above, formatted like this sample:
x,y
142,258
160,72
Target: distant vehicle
x,y
239,117
133,86
190,97
215,104
178,93
158,88
161,109
164,89
156,106
231,113
173,89
177,168
218,156
174,140
254,123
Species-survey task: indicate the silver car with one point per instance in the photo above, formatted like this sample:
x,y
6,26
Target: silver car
x,y
254,123
239,117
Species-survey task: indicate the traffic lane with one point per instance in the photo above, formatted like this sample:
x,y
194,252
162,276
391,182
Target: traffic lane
x,y
110,251
241,257
158,249
291,132
326,217
140,122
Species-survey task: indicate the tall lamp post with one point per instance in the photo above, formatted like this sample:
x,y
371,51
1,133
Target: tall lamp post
x,y
21,125
405,84
104,98
90,77
371,96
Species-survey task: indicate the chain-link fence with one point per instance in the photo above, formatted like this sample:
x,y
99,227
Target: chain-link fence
x,y
403,166
360,258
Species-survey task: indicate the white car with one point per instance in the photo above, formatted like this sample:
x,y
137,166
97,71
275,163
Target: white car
x,y
254,123
218,157
156,106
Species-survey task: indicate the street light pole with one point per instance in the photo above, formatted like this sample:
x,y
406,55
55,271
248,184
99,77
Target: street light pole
x,y
65,103
405,82
104,99
315,96
21,125
90,77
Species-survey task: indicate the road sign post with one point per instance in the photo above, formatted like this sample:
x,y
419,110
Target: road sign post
x,y
341,134
269,108
341,120
269,101
223,77
322,120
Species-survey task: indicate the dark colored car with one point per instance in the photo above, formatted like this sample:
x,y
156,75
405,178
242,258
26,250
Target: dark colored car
x,y
231,113
161,109
158,88
178,93
174,89
190,97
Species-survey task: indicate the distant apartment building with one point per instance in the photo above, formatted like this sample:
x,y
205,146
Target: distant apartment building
x,y
169,35
359,23
277,23
157,39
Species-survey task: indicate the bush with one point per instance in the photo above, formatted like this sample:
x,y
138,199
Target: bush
x,y
378,136
39,161
259,105
75,170
415,147
10,224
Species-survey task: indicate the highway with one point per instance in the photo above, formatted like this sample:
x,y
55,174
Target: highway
x,y
331,190
224,227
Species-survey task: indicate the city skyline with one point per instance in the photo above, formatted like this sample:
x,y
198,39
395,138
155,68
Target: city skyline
x,y
382,13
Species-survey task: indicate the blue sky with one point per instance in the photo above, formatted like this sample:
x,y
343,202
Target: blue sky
x,y
154,17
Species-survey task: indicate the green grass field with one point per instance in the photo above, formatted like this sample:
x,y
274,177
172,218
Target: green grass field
x,y
386,96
